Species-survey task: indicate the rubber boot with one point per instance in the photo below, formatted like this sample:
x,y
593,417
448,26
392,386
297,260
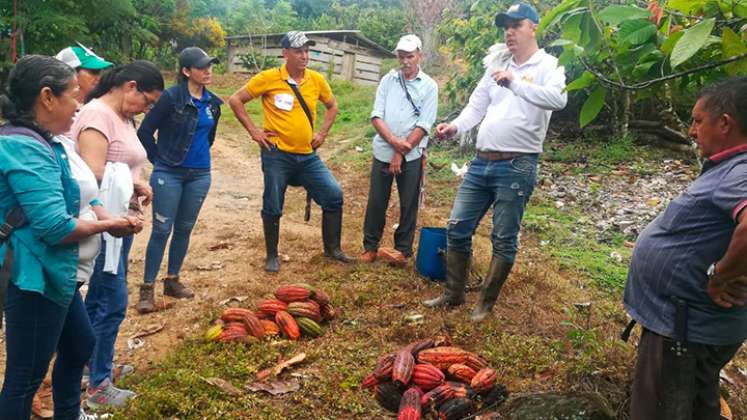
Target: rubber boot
x,y
146,302
457,269
331,235
176,289
272,235
494,279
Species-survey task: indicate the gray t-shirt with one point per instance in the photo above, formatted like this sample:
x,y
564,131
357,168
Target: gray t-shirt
x,y
674,252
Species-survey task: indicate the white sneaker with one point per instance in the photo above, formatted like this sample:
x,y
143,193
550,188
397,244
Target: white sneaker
x,y
84,416
107,395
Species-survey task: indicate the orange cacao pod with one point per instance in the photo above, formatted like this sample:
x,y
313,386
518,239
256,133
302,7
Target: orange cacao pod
x,y
461,390
328,312
461,373
236,327
427,376
288,325
475,361
437,396
484,380
404,364
369,382
442,357
409,405
234,314
270,327
383,369
321,297
272,306
253,326
307,309
417,346
292,293
263,315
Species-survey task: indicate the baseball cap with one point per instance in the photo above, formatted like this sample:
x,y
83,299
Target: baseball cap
x,y
81,57
296,39
409,43
518,11
195,57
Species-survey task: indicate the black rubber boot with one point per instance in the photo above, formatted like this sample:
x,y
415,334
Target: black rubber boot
x,y
331,236
272,235
494,279
457,270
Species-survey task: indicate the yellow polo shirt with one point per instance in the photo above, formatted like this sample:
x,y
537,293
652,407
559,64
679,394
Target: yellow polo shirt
x,y
283,113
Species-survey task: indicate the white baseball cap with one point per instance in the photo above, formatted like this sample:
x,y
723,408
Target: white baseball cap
x,y
409,43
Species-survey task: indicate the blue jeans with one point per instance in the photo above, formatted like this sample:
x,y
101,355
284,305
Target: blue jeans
x,y
36,328
178,194
282,169
106,304
505,185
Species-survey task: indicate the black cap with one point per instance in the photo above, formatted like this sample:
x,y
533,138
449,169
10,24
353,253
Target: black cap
x,y
195,57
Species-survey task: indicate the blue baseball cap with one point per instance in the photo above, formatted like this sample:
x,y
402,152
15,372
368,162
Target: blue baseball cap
x,y
518,11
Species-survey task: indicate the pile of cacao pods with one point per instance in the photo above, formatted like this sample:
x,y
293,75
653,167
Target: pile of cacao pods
x,y
295,310
431,378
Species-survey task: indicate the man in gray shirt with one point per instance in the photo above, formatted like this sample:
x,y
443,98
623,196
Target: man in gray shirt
x,y
403,114
686,285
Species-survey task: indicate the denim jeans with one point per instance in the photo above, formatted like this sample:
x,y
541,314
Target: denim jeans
x,y
282,169
505,185
178,194
36,328
408,186
106,304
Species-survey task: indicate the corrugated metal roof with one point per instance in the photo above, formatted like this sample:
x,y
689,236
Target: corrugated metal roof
x,y
335,34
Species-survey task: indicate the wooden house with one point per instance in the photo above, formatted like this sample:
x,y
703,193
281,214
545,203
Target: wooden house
x,y
345,54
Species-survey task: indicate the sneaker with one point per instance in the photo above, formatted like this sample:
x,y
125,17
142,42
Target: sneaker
x,y
84,416
107,395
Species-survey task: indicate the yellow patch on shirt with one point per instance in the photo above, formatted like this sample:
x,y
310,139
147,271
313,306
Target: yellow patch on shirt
x,y
527,78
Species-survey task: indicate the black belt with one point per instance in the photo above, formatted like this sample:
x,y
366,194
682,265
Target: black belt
x,y
487,155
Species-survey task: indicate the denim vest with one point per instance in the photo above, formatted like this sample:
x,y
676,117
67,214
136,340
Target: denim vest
x,y
175,118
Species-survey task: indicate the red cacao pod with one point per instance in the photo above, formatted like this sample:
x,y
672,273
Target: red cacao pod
x,y
442,357
404,364
288,325
427,376
272,306
384,366
484,380
292,293
307,309
409,405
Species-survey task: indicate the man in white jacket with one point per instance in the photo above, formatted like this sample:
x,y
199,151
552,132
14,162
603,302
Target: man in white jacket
x,y
521,87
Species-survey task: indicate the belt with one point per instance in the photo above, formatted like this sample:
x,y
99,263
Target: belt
x,y
498,155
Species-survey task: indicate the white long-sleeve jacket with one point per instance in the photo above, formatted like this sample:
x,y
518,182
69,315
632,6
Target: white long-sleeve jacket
x,y
115,192
515,118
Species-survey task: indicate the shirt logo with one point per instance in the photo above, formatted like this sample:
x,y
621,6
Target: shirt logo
x,y
527,78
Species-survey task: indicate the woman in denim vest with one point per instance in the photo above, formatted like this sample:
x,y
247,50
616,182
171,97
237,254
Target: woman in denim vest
x,y
186,117
44,310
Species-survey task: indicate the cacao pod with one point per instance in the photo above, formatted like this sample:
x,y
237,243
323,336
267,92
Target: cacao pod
x,y
461,373
404,363
437,396
232,335
309,327
270,327
253,326
290,294
369,382
383,369
475,361
484,380
388,396
409,405
306,286
417,346
461,390
328,312
321,297
235,314
442,357
263,315
427,376
307,309
456,409
213,332
272,306
496,396
288,325
236,327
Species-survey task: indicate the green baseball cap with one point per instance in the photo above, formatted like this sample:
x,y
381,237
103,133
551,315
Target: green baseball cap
x,y
80,57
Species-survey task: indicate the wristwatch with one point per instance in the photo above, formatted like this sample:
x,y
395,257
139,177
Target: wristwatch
x,y
711,271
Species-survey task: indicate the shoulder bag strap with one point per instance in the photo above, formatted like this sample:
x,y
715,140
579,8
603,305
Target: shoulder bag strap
x,y
302,102
402,83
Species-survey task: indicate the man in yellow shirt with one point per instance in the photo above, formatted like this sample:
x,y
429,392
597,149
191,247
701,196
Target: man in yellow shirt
x,y
288,142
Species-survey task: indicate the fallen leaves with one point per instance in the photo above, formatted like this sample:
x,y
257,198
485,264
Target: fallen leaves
x,y
224,386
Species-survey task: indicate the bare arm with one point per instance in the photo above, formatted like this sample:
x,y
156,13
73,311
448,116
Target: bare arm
x,y
237,101
329,119
120,226
728,286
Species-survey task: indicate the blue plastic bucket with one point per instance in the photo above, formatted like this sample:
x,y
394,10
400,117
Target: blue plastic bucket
x,y
431,249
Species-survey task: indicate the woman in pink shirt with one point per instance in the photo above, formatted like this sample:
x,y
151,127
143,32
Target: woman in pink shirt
x,y
105,132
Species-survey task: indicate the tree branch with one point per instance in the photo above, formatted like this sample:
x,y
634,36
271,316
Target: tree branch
x,y
643,85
